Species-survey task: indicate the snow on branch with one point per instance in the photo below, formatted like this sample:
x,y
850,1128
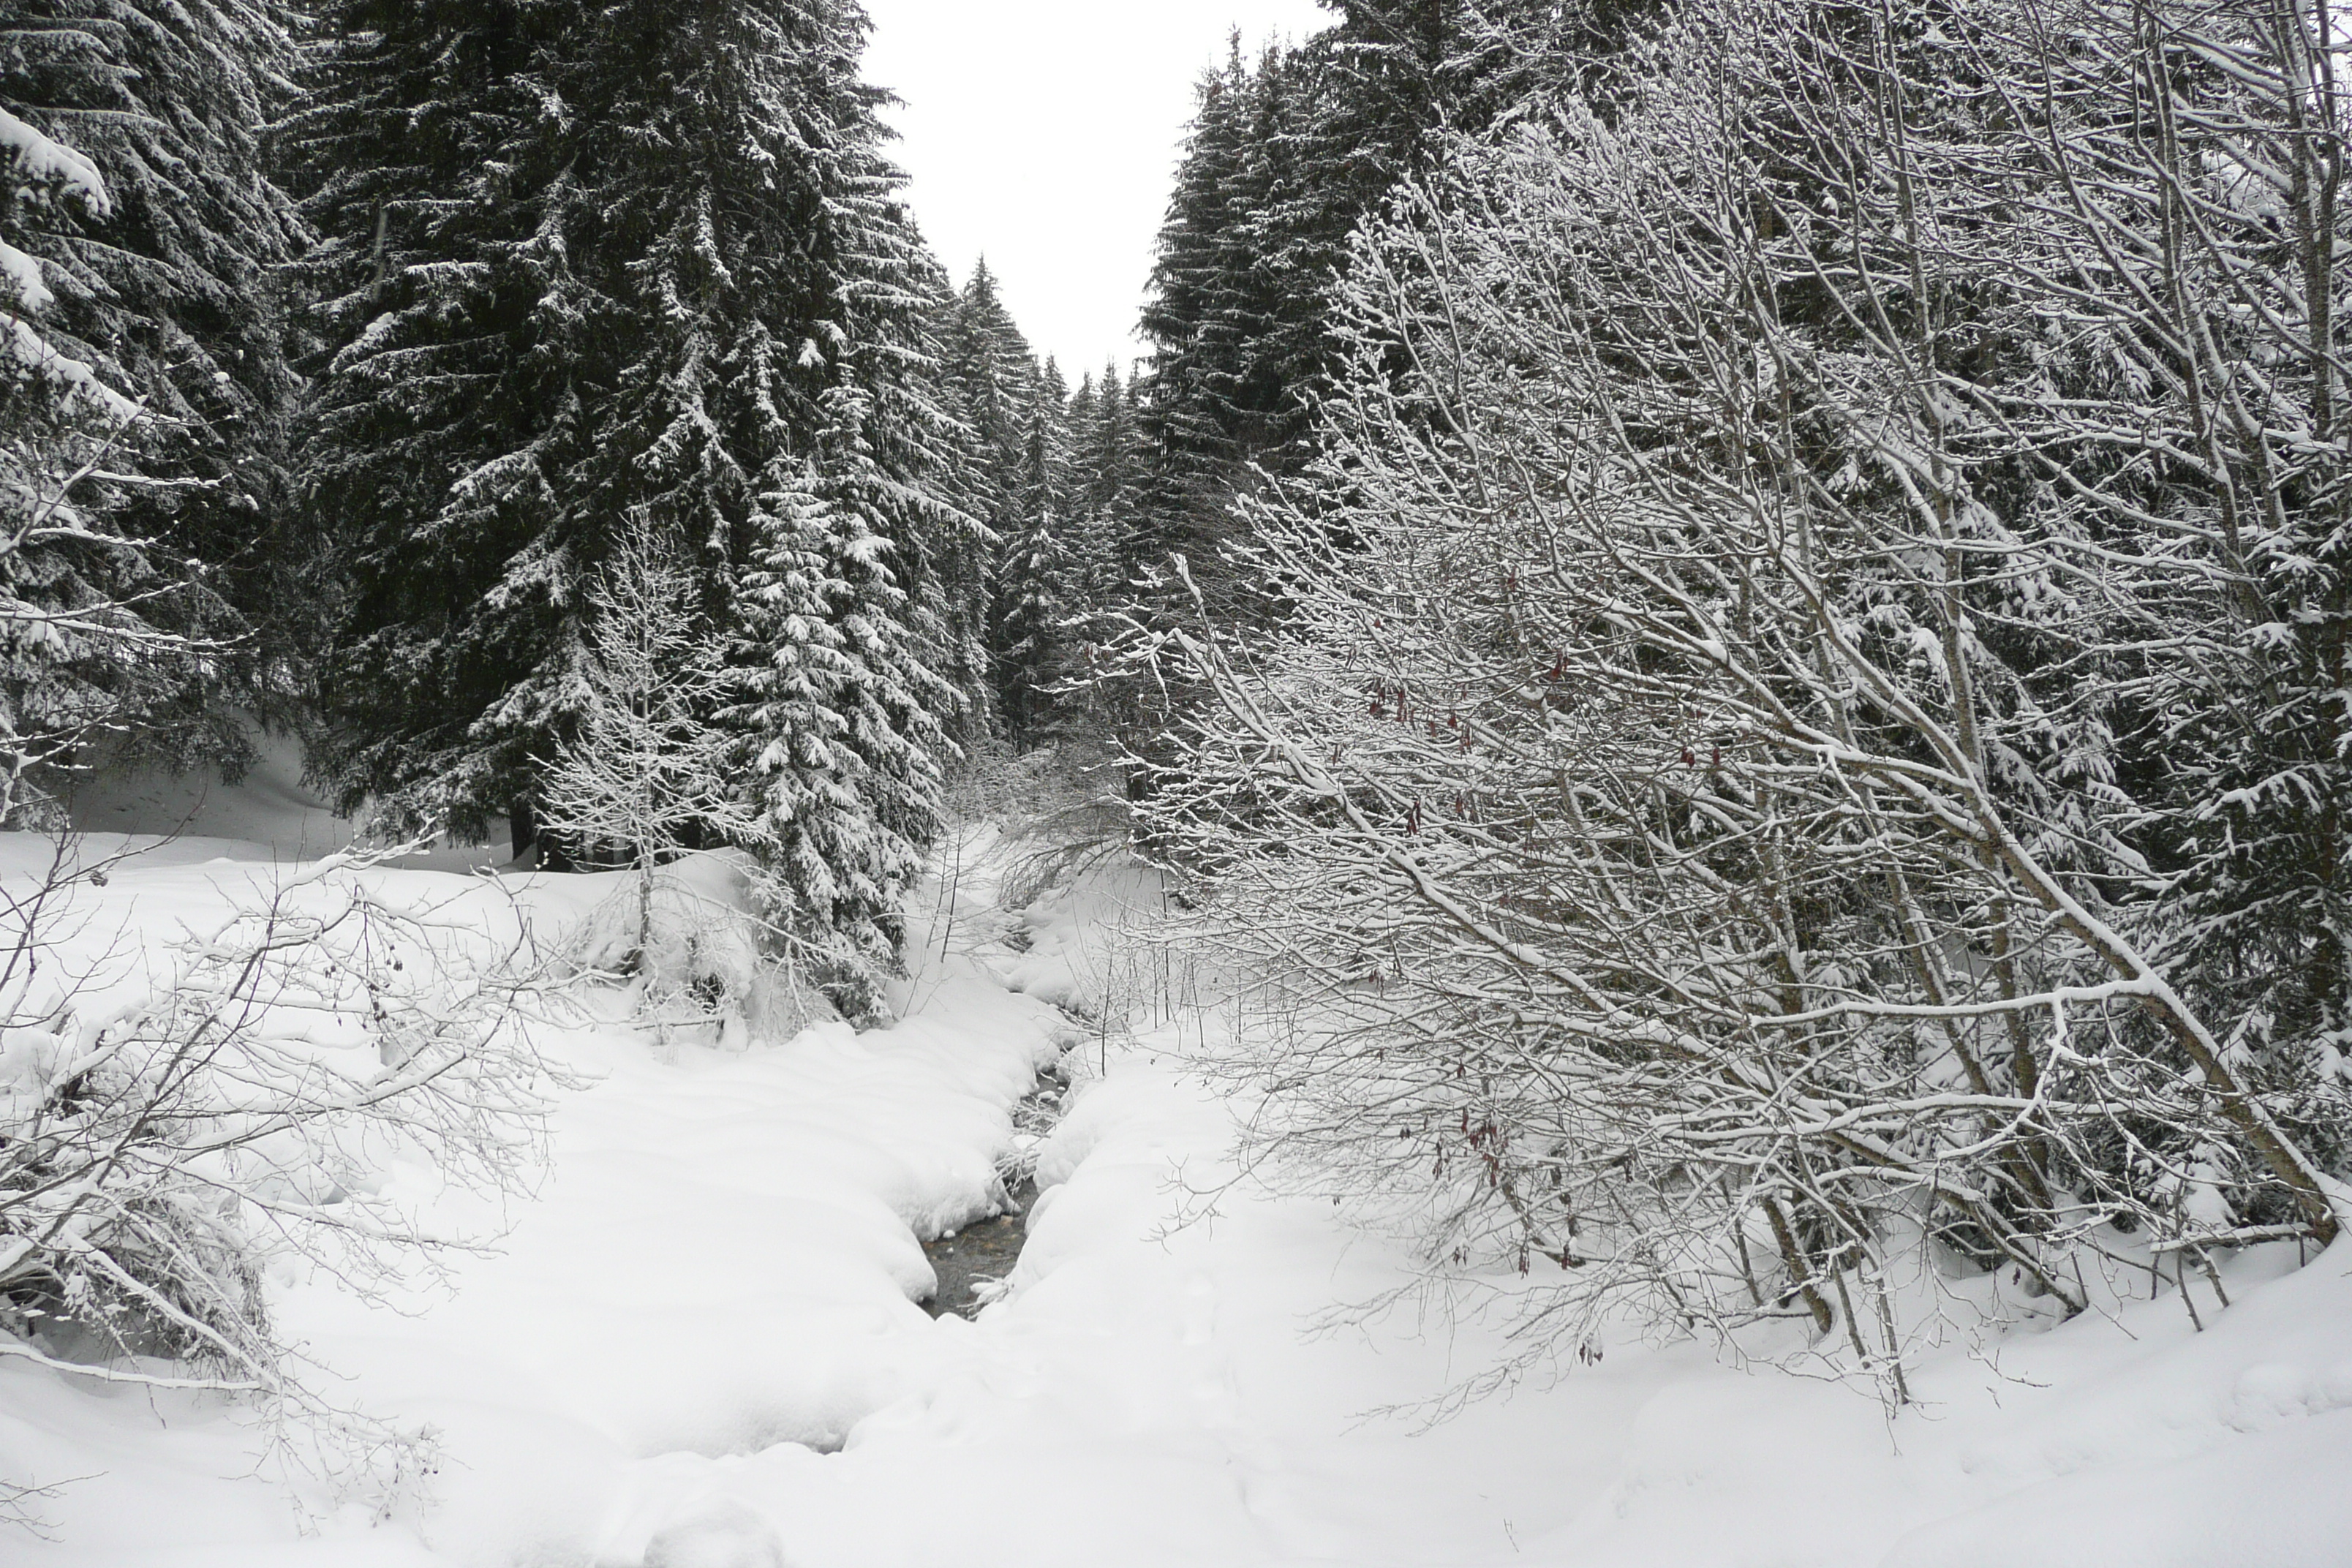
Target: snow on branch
x,y
77,379
44,161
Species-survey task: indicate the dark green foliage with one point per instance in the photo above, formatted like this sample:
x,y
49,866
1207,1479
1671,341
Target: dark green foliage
x,y
170,289
455,327
990,382
773,416
597,268
633,271
1038,565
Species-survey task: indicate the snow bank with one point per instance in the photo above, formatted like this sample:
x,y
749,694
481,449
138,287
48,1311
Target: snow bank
x,y
721,1258
269,815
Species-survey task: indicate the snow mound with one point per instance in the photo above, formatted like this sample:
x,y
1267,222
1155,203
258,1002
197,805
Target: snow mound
x,y
725,1535
689,938
270,814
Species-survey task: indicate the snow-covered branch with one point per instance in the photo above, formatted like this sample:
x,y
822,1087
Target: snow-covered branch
x,y
1731,788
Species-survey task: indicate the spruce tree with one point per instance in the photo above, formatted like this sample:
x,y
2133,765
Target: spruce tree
x,y
1197,318
989,375
159,273
1033,575
1285,156
844,725
988,379
456,358
686,308
774,411
781,409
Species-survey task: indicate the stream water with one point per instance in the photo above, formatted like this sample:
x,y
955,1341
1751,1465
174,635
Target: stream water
x,y
982,1252
968,1260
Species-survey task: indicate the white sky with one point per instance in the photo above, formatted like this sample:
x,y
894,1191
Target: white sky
x,y
1042,134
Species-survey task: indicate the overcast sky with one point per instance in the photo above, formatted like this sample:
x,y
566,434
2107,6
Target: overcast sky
x,y
1042,134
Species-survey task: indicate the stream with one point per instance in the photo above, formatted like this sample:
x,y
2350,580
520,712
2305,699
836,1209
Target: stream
x,y
970,1260
981,1253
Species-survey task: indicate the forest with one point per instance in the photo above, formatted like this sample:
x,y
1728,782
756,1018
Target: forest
x,y
1724,625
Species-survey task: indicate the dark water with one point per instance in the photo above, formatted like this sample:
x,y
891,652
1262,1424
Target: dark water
x,y
984,1250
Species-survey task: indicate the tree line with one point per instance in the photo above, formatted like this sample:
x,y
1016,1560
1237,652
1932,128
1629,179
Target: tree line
x,y
351,343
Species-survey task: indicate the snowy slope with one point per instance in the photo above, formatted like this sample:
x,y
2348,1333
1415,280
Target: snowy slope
x,y
270,808
699,1346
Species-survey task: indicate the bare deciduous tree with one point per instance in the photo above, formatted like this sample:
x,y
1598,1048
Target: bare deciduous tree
x,y
651,771
1713,808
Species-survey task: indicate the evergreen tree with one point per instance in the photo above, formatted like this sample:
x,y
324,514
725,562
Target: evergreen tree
x,y
990,376
1111,459
1093,545
1212,400
1033,575
159,276
457,356
1286,157
640,273
844,722
773,411
863,611
1231,318
988,379
74,656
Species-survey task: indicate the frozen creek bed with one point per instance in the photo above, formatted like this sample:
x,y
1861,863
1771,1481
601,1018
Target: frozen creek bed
x,y
970,1260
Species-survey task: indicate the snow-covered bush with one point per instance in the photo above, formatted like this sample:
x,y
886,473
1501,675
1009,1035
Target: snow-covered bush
x,y
171,1122
696,956
1736,809
1058,809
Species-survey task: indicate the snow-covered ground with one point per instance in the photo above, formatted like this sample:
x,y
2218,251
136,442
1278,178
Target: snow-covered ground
x,y
698,1346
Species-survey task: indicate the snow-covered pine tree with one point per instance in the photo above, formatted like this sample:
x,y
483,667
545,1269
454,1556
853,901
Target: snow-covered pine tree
x,y
1107,452
989,375
459,350
73,657
156,267
844,719
1286,155
1106,466
988,380
634,315
1034,571
772,411
1204,309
